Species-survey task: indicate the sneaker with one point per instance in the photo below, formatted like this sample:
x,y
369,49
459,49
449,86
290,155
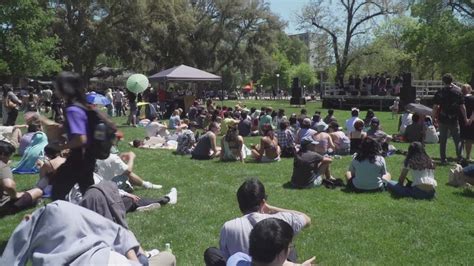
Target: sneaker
x,y
152,253
148,207
149,185
173,195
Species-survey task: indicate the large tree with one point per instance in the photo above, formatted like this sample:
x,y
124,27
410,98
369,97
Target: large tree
x,y
346,23
89,28
26,48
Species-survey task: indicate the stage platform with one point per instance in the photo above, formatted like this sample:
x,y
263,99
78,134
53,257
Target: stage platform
x,y
336,98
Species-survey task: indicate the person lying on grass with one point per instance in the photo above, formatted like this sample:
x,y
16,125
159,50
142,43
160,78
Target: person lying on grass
x,y
423,182
235,233
270,242
368,170
268,150
11,200
206,147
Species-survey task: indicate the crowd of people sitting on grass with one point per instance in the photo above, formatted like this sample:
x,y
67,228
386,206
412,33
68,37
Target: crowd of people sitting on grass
x,y
79,162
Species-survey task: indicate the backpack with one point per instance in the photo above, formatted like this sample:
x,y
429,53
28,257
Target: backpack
x,y
100,134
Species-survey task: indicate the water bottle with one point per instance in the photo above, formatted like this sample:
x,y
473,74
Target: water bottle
x,y
100,132
168,248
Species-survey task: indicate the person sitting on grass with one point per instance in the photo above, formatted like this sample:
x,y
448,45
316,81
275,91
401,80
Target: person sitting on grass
x,y
324,140
233,147
62,233
368,170
119,169
265,119
186,139
330,117
422,167
175,120
155,128
268,150
415,131
25,140
309,166
48,166
357,136
286,140
11,200
341,142
368,118
234,236
270,241
305,131
350,122
206,147
377,134
34,151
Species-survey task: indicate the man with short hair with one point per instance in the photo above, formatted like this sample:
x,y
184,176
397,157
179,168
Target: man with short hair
x,y
309,166
235,233
350,122
448,106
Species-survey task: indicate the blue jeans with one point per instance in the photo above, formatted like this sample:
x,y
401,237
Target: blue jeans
x,y
410,192
469,170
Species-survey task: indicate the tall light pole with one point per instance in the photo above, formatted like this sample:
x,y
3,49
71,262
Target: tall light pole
x,y
278,84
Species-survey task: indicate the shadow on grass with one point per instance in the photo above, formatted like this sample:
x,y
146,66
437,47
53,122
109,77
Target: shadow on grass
x,y
288,185
465,193
3,245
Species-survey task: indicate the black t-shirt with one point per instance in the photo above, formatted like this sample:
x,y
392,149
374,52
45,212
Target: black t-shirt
x,y
305,167
244,127
449,99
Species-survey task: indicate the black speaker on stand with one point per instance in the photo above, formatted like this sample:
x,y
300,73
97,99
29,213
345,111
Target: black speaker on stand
x,y
297,93
407,92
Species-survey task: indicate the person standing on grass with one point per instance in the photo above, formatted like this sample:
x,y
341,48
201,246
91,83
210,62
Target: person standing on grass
x,y
368,170
447,110
132,103
79,165
11,105
423,182
234,236
467,131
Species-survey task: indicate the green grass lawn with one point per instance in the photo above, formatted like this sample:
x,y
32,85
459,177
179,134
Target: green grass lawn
x,y
346,228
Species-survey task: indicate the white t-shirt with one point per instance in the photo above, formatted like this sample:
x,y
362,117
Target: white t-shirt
x,y
111,167
154,129
350,124
405,121
235,233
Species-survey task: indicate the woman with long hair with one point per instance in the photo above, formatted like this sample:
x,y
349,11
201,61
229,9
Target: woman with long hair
x,y
232,144
423,183
268,150
357,136
79,165
368,170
